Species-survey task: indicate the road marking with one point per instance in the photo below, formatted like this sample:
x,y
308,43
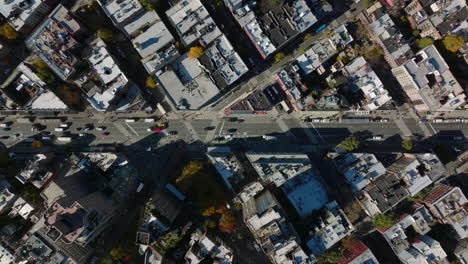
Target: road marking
x,y
191,130
131,128
403,128
210,134
282,125
221,129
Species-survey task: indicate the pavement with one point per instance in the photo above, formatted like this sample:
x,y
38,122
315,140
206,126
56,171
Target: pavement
x,y
285,128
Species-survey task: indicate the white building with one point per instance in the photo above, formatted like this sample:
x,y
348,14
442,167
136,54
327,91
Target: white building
x,y
364,80
24,15
5,256
118,92
331,229
429,83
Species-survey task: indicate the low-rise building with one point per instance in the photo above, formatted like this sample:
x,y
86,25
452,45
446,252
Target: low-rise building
x,y
388,35
272,30
117,92
429,83
6,197
290,82
323,49
461,251
26,91
39,170
359,169
272,231
150,37
54,42
6,257
36,249
414,247
448,205
333,227
193,22
227,165
365,83
359,254
277,168
202,246
434,18
24,15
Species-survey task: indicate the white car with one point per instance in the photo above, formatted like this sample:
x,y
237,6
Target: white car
x,y
100,128
82,134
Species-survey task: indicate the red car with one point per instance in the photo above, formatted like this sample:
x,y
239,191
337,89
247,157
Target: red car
x,y
156,129
105,134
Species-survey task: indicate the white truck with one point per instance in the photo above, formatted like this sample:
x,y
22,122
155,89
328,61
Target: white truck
x,y
64,139
149,120
64,125
4,124
59,129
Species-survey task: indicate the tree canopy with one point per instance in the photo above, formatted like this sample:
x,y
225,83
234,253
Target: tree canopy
x,y
8,31
383,220
329,257
453,42
104,33
350,143
227,222
150,82
195,52
407,144
424,42
279,56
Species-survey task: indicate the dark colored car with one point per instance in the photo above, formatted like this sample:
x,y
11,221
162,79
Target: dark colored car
x,y
209,128
173,132
232,130
105,134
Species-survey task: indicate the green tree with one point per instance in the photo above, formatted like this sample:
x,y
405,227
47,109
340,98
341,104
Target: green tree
x,y
150,82
350,143
227,222
209,223
118,253
104,33
329,257
45,75
267,5
146,4
195,52
407,144
106,260
424,42
8,31
453,42
279,56
383,220
415,33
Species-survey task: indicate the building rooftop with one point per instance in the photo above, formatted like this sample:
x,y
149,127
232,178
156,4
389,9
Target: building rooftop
x,y
28,91
120,11
359,254
274,29
391,37
430,75
6,256
364,80
359,169
193,22
187,85
37,170
144,19
334,227
53,42
306,191
225,61
114,81
202,246
152,40
277,167
323,49
19,11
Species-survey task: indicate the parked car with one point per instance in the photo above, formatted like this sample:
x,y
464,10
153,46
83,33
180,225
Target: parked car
x,y
101,128
209,128
105,134
154,129
232,130
163,124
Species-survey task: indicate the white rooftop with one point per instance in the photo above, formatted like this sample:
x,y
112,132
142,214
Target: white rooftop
x,y
261,41
47,100
120,10
5,256
303,16
365,79
193,89
152,40
23,7
144,19
229,63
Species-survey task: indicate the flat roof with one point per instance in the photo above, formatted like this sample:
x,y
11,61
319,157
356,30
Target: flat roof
x,y
47,100
192,89
142,20
120,10
263,44
152,40
22,8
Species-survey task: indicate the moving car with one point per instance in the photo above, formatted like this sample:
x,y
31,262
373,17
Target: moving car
x,y
155,129
163,124
232,130
173,132
100,128
209,128
105,134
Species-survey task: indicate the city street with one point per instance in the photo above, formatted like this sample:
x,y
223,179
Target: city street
x,y
208,131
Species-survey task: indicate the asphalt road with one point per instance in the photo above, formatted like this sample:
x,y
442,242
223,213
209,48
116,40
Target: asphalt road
x,y
294,130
